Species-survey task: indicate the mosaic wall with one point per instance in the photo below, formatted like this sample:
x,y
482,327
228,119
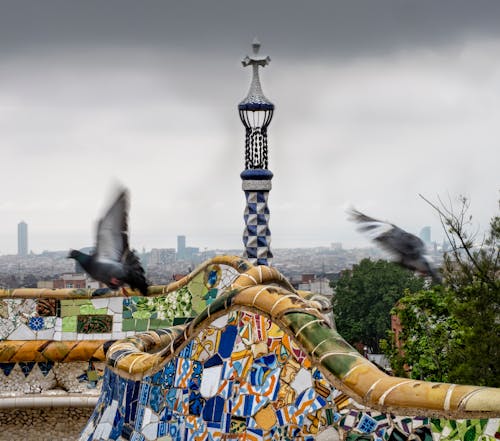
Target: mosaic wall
x,y
240,376
243,378
109,318
93,319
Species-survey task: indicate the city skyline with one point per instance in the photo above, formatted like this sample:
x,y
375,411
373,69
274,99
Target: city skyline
x,y
374,105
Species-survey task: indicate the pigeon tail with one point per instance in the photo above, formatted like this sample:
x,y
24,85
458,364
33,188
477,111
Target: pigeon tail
x,y
136,278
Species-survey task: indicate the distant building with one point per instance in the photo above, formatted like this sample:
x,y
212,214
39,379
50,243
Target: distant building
x,y
22,239
320,285
337,246
70,281
181,247
161,256
425,235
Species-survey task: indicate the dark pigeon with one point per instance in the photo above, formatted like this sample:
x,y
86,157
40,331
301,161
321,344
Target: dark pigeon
x,y
408,250
113,263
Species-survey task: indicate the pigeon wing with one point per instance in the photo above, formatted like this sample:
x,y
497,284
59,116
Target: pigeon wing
x,y
389,236
112,230
401,243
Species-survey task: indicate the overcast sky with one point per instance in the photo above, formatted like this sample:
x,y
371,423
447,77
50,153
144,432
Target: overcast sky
x,y
376,101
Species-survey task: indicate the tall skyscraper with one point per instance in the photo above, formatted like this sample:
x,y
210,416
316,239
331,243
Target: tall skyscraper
x,y
22,239
181,247
425,234
256,112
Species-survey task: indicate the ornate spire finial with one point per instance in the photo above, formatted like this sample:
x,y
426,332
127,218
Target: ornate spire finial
x,y
255,100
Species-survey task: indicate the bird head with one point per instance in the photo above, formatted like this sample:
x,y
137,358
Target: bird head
x,y
77,255
73,254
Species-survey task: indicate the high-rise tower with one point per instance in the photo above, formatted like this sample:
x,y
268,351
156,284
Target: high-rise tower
x,y
22,239
256,112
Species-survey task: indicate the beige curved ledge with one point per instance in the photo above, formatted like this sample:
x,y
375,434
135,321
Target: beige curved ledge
x,y
15,351
45,401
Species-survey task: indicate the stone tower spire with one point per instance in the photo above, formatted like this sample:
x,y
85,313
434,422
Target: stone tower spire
x,y
256,112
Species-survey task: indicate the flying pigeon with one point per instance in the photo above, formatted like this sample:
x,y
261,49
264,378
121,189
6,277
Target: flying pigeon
x,y
407,249
113,263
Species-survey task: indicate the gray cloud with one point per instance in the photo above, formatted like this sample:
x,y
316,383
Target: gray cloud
x,y
293,28
376,102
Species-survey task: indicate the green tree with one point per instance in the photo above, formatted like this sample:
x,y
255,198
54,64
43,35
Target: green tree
x,y
364,296
428,335
452,333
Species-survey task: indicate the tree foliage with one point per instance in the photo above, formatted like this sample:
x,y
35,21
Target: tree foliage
x,y
429,334
364,297
452,333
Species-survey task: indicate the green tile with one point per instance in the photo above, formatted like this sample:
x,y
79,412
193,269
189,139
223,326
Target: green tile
x,y
141,324
82,302
158,323
69,324
90,310
128,325
127,314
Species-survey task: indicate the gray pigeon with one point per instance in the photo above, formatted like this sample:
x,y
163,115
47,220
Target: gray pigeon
x,y
113,263
407,249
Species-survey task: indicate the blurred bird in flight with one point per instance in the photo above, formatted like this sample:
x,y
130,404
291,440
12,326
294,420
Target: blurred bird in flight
x,y
113,263
407,249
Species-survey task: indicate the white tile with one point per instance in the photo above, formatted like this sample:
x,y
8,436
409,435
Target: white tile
x,y
116,305
22,332
302,381
150,431
58,336
210,381
147,417
45,334
220,322
119,335
100,303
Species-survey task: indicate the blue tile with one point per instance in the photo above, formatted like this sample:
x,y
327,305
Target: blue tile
x,y
7,368
26,367
45,367
162,428
155,398
186,352
215,360
214,408
196,403
126,432
227,339
138,418
144,393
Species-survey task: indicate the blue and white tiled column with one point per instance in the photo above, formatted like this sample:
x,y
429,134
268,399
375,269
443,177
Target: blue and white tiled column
x,y
257,236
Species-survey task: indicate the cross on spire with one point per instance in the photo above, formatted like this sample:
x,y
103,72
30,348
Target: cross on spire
x,y
255,99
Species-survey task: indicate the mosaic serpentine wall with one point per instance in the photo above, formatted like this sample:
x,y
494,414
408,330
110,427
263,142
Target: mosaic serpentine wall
x,y
230,352
87,326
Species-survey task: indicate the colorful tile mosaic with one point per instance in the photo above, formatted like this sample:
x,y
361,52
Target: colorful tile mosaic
x,y
236,374
218,387
242,378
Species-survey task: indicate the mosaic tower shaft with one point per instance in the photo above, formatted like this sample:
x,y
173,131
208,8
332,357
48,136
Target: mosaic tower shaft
x,y
256,112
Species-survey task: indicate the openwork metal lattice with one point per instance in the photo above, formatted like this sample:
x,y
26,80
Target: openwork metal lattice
x,y
256,112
